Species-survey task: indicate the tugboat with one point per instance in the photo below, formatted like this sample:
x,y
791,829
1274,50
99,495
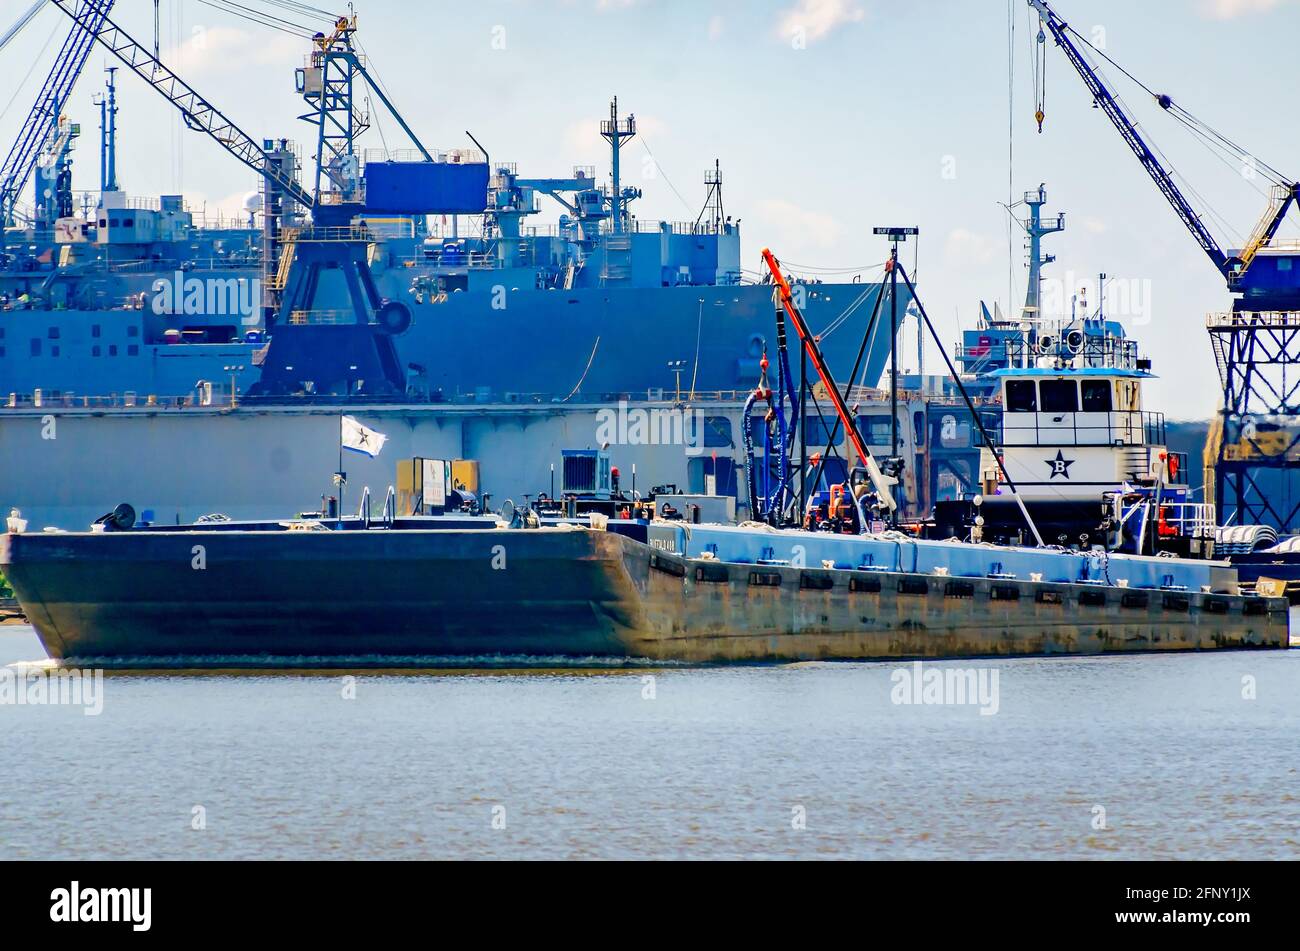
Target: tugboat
x,y
1090,465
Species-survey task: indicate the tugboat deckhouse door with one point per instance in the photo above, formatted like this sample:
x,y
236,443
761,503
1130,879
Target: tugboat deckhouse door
x,y
1058,403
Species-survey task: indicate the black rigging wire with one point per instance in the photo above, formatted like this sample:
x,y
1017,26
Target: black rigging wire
x,y
306,9
645,146
36,62
1182,115
256,16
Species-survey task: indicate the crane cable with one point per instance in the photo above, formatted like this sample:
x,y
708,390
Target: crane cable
x,y
36,62
305,9
1038,54
250,15
1196,125
17,28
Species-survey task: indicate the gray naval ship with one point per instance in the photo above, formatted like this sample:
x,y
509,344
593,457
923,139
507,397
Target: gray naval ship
x,y
203,365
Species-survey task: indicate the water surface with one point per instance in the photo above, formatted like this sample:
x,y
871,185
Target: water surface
x,y
721,763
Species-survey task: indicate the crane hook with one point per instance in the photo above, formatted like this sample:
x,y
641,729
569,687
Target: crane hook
x,y
1040,116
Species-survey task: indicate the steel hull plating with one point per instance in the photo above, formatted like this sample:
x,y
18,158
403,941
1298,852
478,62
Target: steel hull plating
x,y
596,341
373,597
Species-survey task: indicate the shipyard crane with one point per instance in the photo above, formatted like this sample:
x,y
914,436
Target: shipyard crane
x,y
93,24
42,126
320,358
327,85
1257,345
1235,268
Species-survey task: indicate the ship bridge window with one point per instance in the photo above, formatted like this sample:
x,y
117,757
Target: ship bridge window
x,y
1022,396
876,430
54,333
819,433
1060,396
1096,396
711,432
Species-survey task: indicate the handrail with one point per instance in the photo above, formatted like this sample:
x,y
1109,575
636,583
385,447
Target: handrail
x,y
1280,319
1120,428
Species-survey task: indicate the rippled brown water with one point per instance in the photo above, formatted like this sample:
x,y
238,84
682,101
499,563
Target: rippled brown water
x,y
719,764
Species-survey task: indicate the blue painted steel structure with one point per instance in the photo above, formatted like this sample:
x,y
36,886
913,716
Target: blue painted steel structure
x,y
108,134
1236,268
1255,346
42,122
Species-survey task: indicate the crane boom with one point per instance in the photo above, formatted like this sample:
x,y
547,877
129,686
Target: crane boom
x,y
43,119
199,114
23,20
1107,102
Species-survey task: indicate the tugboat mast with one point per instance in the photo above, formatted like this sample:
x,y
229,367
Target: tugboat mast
x,y
1038,228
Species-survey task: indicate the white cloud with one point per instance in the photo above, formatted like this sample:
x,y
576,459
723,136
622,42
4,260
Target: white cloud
x,y
1095,226
1231,9
716,26
816,19
218,49
808,228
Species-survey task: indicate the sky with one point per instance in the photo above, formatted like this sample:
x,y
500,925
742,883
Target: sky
x,y
829,118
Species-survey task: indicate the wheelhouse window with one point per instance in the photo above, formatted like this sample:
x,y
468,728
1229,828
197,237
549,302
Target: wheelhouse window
x,y
1096,396
1022,396
1059,396
876,430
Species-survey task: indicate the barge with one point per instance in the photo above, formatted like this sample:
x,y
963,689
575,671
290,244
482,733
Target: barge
x,y
401,592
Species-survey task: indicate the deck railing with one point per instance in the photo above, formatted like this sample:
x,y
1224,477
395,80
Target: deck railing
x,y
1130,428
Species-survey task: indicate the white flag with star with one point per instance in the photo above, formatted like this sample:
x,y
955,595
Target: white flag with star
x,y
362,439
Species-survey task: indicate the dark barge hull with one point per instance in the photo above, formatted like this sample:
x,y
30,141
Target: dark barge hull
x,y
380,596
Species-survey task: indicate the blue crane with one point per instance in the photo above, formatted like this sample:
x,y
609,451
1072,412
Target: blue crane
x,y
91,24
1284,284
354,358
42,123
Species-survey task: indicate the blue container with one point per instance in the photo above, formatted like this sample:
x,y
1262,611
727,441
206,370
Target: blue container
x,y
426,188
